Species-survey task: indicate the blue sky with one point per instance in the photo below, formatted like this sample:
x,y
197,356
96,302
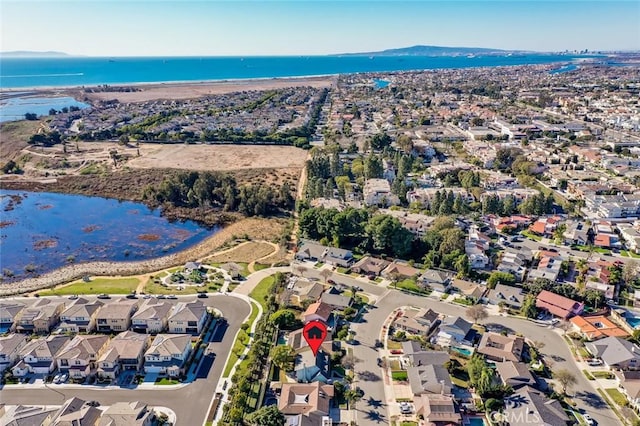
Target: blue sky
x,y
189,28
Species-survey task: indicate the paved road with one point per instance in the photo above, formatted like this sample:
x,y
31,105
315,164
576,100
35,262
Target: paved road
x,y
190,403
375,412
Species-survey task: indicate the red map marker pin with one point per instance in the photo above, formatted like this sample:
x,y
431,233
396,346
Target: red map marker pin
x,y
314,333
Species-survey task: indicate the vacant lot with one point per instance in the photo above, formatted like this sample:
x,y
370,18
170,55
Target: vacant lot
x,y
244,253
218,157
14,136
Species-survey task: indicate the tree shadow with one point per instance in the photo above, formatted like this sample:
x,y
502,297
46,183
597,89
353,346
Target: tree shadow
x,y
495,327
591,399
369,376
376,403
375,416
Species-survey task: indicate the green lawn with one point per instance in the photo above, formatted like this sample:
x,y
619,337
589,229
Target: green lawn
x,y
263,290
588,375
400,375
617,396
260,266
96,286
411,285
531,235
459,382
584,352
463,301
166,381
238,346
391,344
602,374
629,254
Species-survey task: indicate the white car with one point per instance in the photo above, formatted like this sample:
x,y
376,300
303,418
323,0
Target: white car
x,y
595,362
405,408
588,420
56,378
64,378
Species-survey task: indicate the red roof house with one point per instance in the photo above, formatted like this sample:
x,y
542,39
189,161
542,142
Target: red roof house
x,y
557,305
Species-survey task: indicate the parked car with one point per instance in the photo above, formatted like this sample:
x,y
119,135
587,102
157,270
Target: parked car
x,y
161,296
331,281
172,296
146,296
93,403
595,362
104,296
131,296
588,419
73,297
64,378
378,343
202,295
56,378
396,351
405,408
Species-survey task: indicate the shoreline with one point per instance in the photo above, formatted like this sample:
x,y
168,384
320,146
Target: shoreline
x,y
73,272
249,80
166,83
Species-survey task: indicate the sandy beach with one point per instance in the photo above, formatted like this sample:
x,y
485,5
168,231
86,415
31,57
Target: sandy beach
x,y
255,228
177,90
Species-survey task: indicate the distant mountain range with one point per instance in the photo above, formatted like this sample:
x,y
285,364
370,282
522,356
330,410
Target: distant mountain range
x,y
437,51
32,54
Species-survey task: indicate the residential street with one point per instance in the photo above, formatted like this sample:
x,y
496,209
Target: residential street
x,y
189,402
372,410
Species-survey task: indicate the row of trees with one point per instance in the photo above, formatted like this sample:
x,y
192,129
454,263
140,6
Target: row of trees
x,y
252,369
358,230
219,191
365,232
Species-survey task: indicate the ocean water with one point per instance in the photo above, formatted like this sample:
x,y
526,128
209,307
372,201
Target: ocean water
x,y
46,230
89,71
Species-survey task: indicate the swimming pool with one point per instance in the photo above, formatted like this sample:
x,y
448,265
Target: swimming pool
x,y
633,321
463,351
474,421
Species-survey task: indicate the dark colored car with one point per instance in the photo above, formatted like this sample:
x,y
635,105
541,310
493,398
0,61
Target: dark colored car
x,y
202,295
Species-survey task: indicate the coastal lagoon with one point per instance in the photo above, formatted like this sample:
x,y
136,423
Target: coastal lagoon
x,y
15,108
40,232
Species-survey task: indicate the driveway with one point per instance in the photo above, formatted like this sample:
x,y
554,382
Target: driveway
x,y
190,402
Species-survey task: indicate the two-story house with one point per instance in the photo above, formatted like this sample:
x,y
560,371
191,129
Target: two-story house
x,y
9,315
453,331
152,317
116,316
41,317
436,280
9,349
168,354
80,317
39,355
124,352
80,355
188,317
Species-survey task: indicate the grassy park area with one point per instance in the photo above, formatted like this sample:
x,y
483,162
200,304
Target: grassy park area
x,y
95,286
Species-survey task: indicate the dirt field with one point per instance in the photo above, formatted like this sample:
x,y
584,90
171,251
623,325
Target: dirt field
x,y
194,90
218,157
262,164
14,136
245,253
